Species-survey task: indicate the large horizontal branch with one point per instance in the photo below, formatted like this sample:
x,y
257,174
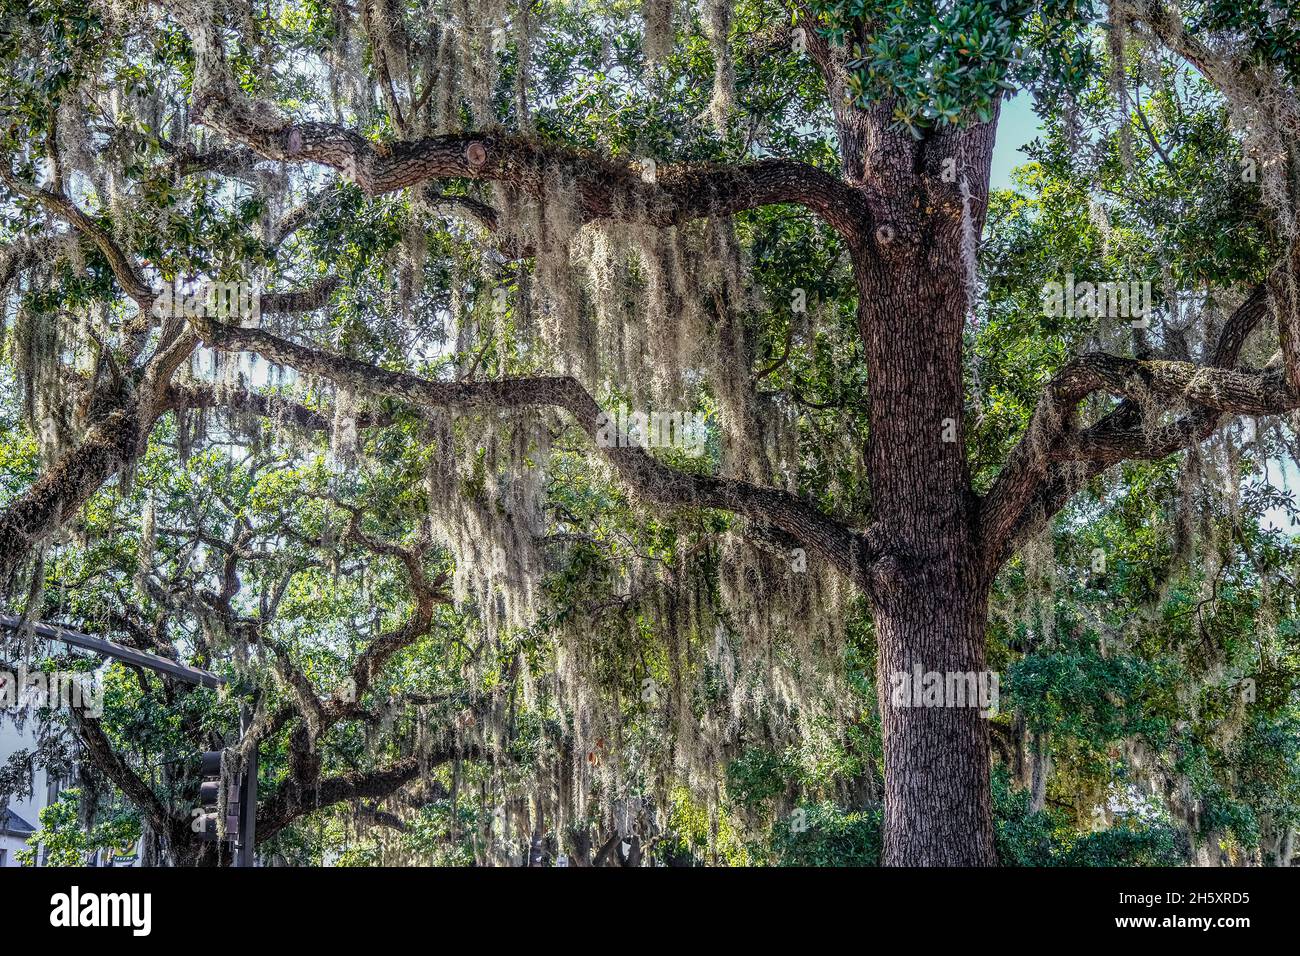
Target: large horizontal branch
x,y
308,299
227,159
1232,391
848,549
273,407
1054,459
601,187
1125,432
292,801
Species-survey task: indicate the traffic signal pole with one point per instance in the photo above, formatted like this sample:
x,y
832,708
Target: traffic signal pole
x,y
246,840
100,645
246,845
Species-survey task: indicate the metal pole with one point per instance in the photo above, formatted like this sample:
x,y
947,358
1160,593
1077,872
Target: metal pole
x,y
100,645
246,854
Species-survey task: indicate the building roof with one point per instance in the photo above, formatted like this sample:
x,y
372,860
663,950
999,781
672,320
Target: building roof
x,y
14,825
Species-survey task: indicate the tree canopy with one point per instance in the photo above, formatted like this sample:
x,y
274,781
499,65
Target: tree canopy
x,y
560,422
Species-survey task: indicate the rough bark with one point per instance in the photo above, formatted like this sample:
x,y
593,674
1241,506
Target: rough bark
x,y
58,494
931,602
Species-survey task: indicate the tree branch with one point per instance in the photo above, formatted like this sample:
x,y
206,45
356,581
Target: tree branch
x,y
301,300
848,549
128,276
124,778
1053,460
62,489
603,188
1230,75
292,801
180,397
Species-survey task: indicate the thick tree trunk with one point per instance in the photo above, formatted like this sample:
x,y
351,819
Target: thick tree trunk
x,y
930,609
938,809
915,275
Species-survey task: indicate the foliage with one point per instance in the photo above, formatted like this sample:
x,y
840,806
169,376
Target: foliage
x,y
475,597
63,840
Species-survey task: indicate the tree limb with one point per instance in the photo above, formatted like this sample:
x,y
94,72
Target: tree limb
x,y
848,549
1053,460
292,801
603,188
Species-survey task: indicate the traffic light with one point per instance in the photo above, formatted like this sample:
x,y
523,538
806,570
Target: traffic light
x,y
206,814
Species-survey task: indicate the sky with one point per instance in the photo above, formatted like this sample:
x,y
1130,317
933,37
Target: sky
x,y
1016,127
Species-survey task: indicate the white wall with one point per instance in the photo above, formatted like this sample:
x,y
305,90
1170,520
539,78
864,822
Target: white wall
x,y
29,808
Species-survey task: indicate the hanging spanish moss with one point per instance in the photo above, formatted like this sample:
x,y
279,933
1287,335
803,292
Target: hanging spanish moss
x,y
658,16
717,25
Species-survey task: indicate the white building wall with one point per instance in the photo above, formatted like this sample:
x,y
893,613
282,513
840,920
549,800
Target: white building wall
x,y
29,808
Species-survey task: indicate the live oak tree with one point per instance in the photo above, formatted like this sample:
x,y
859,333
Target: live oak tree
x,y
204,533
483,227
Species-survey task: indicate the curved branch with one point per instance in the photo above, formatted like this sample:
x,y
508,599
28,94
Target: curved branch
x,y
124,778
848,549
1052,461
128,276
292,801
603,188
122,426
1231,75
